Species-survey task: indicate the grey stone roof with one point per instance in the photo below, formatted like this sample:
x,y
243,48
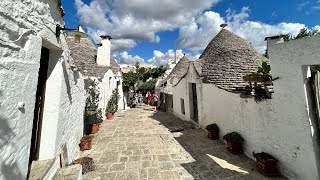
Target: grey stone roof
x,y
198,66
226,59
84,55
179,71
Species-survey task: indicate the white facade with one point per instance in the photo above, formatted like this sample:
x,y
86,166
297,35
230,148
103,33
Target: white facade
x,y
27,27
283,126
181,92
109,83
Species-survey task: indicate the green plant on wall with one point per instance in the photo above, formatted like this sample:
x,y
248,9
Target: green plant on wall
x,y
264,68
112,105
93,94
263,73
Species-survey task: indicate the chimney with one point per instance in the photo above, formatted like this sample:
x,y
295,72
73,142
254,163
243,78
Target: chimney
x,y
104,51
176,58
274,40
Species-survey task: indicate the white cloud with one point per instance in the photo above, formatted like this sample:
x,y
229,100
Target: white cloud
x,y
125,58
160,58
137,20
197,34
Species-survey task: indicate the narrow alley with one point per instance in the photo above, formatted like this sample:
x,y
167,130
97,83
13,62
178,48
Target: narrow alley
x,y
142,144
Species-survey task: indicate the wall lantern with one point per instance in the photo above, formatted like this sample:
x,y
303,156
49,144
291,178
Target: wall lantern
x,y
59,28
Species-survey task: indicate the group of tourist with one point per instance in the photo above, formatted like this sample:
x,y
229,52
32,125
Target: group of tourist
x,y
148,99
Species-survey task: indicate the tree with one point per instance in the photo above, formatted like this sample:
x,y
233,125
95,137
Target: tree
x,y
304,32
148,86
129,79
143,74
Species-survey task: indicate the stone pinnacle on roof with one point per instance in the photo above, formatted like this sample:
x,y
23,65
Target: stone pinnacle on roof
x,y
226,59
224,25
106,37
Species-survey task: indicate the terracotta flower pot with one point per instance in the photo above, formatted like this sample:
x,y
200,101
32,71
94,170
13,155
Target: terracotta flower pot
x,y
94,128
109,115
85,144
214,135
267,167
234,147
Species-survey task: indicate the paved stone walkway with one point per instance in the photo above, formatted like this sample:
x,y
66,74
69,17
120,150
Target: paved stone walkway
x,y
141,144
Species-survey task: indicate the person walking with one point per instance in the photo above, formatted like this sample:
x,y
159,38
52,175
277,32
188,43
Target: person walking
x,y
148,97
140,98
155,100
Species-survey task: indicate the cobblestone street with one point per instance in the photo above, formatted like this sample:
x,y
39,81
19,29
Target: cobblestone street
x,y
142,144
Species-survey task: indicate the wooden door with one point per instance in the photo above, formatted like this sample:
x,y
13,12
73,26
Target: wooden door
x,y
195,102
39,105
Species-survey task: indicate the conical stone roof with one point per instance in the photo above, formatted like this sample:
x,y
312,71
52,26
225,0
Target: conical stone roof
x,y
84,55
179,71
226,59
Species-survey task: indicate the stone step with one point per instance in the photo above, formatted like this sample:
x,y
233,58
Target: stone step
x,y
73,172
39,169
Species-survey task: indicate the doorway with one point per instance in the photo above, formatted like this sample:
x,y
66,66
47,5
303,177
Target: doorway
x,y
39,105
193,102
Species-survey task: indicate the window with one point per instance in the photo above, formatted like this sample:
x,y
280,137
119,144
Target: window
x,y
183,111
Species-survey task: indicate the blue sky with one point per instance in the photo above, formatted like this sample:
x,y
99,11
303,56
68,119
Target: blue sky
x,y
151,31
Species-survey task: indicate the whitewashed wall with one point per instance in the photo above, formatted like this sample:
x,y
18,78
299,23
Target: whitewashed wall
x,y
26,27
181,90
281,125
107,85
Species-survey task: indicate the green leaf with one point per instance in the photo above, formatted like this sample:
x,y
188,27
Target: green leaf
x,y
259,62
268,69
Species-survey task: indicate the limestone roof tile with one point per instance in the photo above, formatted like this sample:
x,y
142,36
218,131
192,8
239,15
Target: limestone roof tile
x,y
226,59
179,71
84,55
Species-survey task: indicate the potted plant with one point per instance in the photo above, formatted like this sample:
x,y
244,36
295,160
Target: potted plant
x,y
86,163
112,105
234,142
86,143
91,116
262,75
95,126
92,101
266,164
213,131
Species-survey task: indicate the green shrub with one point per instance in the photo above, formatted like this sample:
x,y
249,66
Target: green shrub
x,y
93,94
213,127
233,137
112,105
89,113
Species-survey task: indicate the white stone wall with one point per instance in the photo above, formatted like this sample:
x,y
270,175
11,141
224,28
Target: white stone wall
x,y
289,62
107,85
26,27
181,90
282,126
